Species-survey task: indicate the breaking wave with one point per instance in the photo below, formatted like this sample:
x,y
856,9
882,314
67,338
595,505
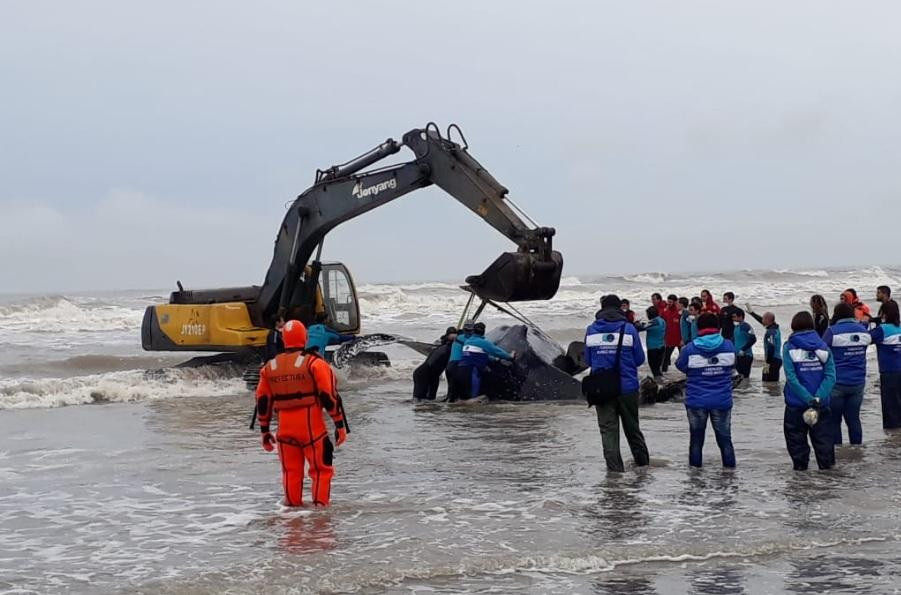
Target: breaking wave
x,y
54,314
119,387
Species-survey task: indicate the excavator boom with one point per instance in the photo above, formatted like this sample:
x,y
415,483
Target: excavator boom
x,y
240,316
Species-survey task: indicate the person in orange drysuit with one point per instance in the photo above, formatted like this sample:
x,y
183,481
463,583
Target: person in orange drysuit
x,y
861,310
299,385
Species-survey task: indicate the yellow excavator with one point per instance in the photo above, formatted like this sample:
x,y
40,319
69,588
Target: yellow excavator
x,y
237,320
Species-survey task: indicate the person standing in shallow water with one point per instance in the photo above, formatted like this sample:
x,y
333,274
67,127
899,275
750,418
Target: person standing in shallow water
x,y
708,362
809,379
820,311
848,340
601,346
887,337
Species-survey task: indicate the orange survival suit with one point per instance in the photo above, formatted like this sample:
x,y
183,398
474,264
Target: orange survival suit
x,y
299,385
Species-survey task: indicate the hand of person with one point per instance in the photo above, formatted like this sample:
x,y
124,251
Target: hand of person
x,y
815,403
512,355
340,436
268,441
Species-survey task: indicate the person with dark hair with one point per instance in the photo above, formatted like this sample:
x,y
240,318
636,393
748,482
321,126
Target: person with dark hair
x,y
627,310
883,295
744,340
694,311
726,312
427,376
602,344
809,380
478,352
861,310
657,302
684,322
709,305
887,337
673,336
655,328
848,339
820,311
772,344
454,391
708,362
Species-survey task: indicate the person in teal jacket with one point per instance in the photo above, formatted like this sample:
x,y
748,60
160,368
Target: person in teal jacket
x,y
744,339
772,345
320,336
655,328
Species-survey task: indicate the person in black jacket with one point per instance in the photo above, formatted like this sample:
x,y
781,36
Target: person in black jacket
x,y
726,312
820,311
427,376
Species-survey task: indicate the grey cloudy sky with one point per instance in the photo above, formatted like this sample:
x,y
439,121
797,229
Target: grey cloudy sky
x,y
145,142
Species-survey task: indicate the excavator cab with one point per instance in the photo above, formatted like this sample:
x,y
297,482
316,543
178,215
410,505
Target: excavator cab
x,y
339,298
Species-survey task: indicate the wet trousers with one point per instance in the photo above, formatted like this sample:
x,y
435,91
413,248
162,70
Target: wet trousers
x,y
468,382
797,433
771,370
721,420
316,455
890,388
844,403
743,365
425,383
625,408
655,360
667,357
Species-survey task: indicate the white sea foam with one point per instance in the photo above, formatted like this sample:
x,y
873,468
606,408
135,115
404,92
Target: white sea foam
x,y
134,385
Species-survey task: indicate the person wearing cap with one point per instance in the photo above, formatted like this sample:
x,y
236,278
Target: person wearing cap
x,y
708,362
601,347
848,339
456,354
478,352
809,379
427,375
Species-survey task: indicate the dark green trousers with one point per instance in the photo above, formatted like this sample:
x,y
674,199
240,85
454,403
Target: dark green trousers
x,y
624,407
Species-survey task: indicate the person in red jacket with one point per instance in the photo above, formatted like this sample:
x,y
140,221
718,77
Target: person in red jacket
x,y
299,384
672,337
709,305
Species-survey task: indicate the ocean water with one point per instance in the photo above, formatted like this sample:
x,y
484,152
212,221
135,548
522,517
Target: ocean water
x,y
116,480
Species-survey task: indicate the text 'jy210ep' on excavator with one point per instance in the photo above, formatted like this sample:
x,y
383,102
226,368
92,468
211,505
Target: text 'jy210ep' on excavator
x,y
299,286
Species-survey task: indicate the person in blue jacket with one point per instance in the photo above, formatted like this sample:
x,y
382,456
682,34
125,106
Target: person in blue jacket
x,y
319,336
655,328
456,354
743,339
772,345
684,322
601,346
708,362
809,379
478,352
848,340
887,337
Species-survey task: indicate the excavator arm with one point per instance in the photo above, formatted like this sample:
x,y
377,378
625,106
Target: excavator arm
x,y
343,192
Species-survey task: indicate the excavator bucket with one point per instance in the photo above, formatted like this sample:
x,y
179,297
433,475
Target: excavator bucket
x,y
519,277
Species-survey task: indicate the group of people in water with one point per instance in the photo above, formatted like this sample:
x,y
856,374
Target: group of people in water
x,y
824,362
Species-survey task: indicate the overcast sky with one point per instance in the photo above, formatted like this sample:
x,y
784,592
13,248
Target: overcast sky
x,y
142,143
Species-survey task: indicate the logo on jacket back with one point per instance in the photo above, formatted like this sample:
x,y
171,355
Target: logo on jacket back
x,y
609,338
361,191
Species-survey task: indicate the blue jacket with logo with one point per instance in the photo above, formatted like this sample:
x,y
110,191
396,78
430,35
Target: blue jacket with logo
x,y
743,339
320,336
656,329
478,351
809,369
887,338
457,348
601,340
708,362
848,340
772,343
